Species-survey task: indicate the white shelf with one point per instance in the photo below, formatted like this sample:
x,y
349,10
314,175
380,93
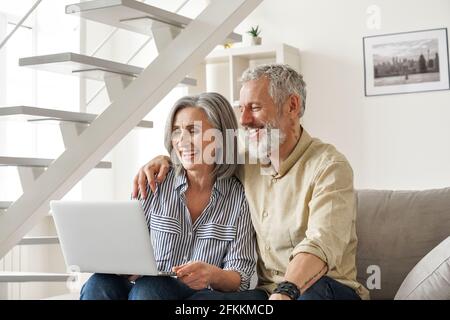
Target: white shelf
x,y
132,15
252,53
225,66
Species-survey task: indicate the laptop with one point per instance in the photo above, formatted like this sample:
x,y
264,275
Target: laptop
x,y
105,237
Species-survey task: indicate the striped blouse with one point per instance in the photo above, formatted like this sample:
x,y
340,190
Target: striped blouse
x,y
222,235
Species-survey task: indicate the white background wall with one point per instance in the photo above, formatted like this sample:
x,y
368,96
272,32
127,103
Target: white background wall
x,y
392,142
398,141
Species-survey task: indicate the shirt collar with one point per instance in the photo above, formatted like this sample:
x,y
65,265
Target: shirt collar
x,y
181,184
302,144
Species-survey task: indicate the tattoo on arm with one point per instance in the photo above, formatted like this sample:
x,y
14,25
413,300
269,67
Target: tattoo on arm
x,y
312,278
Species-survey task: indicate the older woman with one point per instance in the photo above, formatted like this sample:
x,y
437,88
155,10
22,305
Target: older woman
x,y
198,218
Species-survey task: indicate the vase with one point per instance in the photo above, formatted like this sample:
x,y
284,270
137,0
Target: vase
x,y
255,41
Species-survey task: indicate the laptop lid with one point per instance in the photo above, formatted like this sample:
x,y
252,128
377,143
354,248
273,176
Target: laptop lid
x,y
104,237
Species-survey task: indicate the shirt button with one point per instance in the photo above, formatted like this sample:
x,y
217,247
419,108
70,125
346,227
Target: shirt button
x,y
190,234
274,272
185,258
265,214
267,247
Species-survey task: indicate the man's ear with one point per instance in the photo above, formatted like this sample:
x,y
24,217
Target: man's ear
x,y
294,105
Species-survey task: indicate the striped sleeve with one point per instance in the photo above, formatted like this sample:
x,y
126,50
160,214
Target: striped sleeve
x,y
146,203
240,256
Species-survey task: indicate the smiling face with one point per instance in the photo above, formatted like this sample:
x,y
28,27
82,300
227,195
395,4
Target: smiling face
x,y
189,126
260,115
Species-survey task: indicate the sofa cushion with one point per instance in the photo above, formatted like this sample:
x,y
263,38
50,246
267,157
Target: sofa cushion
x,y
430,278
396,229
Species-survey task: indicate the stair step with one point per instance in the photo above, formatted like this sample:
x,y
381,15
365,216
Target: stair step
x,y
85,66
27,241
132,15
33,277
5,205
39,114
38,162
67,296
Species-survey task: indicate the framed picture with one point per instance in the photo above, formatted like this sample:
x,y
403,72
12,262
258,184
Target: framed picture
x,y
406,62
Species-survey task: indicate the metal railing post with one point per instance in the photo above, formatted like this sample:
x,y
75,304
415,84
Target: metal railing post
x,y
20,23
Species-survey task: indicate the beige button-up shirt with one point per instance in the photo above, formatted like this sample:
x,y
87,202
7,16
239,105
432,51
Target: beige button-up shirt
x,y
308,206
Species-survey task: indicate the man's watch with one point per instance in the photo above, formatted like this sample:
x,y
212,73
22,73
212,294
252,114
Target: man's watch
x,y
288,289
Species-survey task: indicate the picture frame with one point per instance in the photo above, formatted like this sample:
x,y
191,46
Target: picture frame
x,y
406,62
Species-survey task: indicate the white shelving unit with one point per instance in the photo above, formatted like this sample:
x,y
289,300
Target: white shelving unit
x,y
224,67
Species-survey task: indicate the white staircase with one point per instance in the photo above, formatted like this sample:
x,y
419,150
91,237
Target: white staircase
x,y
32,241
39,162
86,66
34,114
182,45
5,205
33,277
133,16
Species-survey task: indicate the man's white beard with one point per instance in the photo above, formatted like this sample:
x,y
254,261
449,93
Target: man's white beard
x,y
268,145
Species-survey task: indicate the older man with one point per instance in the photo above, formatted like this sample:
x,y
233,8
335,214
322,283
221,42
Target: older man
x,y
304,210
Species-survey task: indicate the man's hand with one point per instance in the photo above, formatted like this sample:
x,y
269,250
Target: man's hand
x,y
278,296
153,172
196,275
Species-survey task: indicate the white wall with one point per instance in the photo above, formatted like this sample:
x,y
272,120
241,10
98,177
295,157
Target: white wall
x,y
398,141
393,142
142,144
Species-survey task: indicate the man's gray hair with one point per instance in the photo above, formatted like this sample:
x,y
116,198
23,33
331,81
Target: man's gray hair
x,y
221,116
284,81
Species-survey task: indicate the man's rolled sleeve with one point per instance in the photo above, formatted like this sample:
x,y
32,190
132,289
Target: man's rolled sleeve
x,y
331,214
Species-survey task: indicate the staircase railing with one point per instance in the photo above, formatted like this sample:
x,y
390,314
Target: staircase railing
x,y
179,58
20,23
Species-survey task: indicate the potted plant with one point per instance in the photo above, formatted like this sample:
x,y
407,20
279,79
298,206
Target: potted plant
x,y
254,32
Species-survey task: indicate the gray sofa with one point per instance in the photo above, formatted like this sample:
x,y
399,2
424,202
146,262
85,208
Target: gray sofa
x,y
396,229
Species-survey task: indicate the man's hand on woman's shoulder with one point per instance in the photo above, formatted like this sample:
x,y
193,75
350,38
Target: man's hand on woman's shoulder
x,y
153,172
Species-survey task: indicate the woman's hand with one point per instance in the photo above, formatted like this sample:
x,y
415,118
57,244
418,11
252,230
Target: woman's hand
x,y
133,278
158,167
130,277
196,275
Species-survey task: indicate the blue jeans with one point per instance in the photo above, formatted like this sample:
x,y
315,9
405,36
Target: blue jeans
x,y
325,288
114,287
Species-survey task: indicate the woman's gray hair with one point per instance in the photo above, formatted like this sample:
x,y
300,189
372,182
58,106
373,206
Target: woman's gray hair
x,y
221,116
284,81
